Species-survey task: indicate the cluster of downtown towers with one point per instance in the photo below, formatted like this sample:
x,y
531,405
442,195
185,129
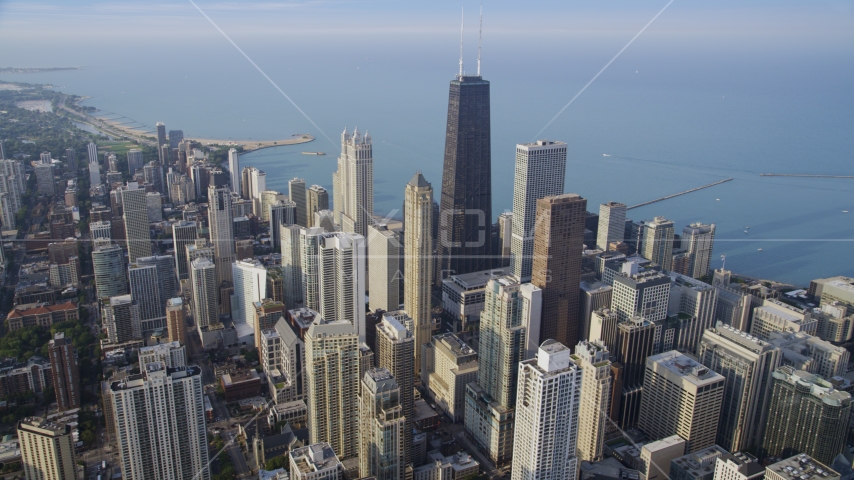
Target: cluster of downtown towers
x,y
528,400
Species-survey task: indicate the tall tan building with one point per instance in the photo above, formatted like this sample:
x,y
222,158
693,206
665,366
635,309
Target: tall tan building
x,y
448,365
175,325
558,243
592,358
382,442
317,199
396,353
418,259
47,450
657,242
332,368
681,397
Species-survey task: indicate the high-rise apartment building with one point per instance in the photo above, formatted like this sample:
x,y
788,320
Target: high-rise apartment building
x,y
135,217
94,166
317,199
176,327
747,364
298,194
384,264
234,170
203,280
448,365
641,293
267,313
612,224
168,284
558,243
250,286
693,303
382,443
172,354
547,415
540,172
64,372
145,290
594,296
697,240
108,263
805,415
510,318
135,161
341,279
44,179
160,423
281,212
332,368
121,319
221,224
47,449
681,397
811,354
635,340
395,352
657,242
183,234
353,183
418,258
309,245
291,271
594,361
162,139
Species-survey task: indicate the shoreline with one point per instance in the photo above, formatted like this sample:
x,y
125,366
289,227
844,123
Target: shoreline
x,y
142,136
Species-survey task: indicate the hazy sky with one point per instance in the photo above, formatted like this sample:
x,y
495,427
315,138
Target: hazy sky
x,y
74,21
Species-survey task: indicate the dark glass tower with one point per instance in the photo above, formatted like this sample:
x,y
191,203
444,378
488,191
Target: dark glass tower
x,y
465,213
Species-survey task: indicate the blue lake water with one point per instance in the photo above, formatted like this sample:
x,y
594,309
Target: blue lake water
x,y
671,116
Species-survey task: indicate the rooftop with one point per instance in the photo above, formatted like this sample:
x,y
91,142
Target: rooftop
x,y
474,280
686,367
314,458
701,462
803,467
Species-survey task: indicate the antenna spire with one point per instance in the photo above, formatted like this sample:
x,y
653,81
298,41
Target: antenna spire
x,y
479,38
462,27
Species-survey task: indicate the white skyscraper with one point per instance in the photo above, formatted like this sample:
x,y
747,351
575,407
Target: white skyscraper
x,y
289,239
137,228
341,279
657,242
160,423
46,449
203,278
309,245
221,225
549,392
250,285
418,258
384,265
234,170
353,183
612,224
94,166
332,368
540,172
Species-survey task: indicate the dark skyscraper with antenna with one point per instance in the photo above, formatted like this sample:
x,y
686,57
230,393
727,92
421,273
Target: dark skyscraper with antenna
x,y
465,213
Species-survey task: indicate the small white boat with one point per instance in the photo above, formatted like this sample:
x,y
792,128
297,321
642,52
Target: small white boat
x,y
605,155
746,231
845,211
759,249
717,199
